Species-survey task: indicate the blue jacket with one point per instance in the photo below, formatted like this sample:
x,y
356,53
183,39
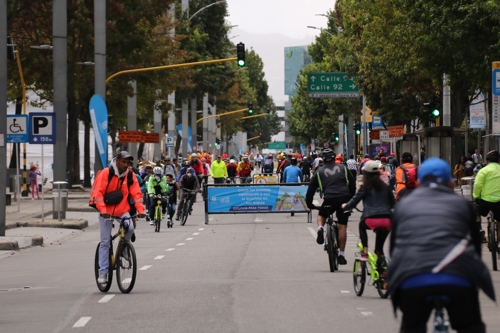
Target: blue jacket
x,y
292,174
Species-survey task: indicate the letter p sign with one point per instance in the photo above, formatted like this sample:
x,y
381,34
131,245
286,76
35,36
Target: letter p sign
x,y
42,128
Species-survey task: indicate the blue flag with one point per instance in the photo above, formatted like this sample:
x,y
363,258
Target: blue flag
x,y
99,117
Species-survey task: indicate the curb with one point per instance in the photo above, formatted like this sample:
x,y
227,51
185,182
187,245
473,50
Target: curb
x,y
66,224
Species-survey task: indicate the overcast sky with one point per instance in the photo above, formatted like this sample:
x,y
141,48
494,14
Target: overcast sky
x,y
288,18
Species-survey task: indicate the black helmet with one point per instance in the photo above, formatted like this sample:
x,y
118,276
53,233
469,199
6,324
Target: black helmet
x,y
328,155
493,156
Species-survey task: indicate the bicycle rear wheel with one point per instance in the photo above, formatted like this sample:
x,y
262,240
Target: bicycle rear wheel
x,y
103,287
493,241
185,210
126,267
329,247
382,264
359,277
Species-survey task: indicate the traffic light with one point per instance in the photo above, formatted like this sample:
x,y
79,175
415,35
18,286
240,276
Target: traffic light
x,y
432,110
240,50
357,128
250,107
217,142
268,111
336,137
260,133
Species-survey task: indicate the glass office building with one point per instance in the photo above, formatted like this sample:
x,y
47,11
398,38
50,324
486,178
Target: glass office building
x,y
296,58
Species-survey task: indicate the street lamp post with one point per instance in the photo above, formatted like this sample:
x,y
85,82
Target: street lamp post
x,y
322,30
3,112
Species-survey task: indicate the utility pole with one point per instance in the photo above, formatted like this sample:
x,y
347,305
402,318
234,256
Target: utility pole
x,y
99,66
3,113
132,118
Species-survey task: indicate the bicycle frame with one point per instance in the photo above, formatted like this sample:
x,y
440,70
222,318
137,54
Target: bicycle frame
x,y
121,235
372,261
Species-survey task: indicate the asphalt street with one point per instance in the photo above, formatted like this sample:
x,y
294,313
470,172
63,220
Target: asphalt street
x,y
239,273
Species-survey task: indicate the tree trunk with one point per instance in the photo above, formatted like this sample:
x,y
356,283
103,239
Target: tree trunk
x,y
86,156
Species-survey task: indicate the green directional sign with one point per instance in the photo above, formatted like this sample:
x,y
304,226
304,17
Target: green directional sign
x,y
277,145
331,85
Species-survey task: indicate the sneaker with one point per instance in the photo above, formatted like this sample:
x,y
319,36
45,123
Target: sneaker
x,y
321,238
177,218
342,260
151,222
361,257
103,278
482,233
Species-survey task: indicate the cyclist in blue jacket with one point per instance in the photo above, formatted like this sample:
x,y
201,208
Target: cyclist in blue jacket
x,y
292,174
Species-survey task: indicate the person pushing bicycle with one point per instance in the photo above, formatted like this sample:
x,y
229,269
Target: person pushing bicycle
x,y
188,181
378,201
157,185
338,186
112,201
436,252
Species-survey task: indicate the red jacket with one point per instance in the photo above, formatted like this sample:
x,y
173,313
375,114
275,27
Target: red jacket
x,y
101,187
198,167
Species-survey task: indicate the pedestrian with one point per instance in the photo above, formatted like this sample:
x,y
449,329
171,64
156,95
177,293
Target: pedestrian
x,y
460,171
35,195
477,158
422,155
218,171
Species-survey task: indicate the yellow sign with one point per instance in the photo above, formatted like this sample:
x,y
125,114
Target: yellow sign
x,y
265,180
495,65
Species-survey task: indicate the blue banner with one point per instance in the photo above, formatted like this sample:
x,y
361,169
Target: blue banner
x,y
247,199
303,149
190,137
99,118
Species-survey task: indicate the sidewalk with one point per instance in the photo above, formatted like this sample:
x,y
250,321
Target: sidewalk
x,y
25,228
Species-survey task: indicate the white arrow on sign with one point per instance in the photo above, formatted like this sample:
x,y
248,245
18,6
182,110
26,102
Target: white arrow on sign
x,y
352,86
313,78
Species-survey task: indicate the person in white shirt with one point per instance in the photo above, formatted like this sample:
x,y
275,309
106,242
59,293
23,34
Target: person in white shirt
x,y
477,158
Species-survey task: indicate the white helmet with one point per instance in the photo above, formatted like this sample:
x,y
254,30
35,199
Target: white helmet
x,y
194,155
157,171
232,161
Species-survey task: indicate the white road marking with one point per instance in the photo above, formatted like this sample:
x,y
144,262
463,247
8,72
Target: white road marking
x,y
345,291
210,219
189,238
367,313
258,220
106,299
313,232
180,244
145,267
201,229
196,234
171,249
82,322
159,257
127,280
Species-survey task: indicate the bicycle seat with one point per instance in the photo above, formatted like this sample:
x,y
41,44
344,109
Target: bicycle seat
x,y
438,301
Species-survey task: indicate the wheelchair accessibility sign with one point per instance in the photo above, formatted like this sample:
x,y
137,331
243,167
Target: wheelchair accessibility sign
x,y
17,128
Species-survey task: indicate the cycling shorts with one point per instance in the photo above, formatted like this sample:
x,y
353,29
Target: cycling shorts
x,y
483,207
335,205
378,223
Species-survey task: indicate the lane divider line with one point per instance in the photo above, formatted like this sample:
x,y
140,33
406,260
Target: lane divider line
x,y
189,238
367,313
171,249
201,229
180,244
196,234
145,267
159,257
313,232
106,298
82,322
345,291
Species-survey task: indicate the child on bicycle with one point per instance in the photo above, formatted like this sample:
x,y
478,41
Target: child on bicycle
x,y
157,184
378,201
172,197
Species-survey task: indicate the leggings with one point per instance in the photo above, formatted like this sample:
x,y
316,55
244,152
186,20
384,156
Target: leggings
x,y
381,235
34,189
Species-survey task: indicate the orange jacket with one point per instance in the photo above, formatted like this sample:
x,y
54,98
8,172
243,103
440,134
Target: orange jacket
x,y
101,187
400,179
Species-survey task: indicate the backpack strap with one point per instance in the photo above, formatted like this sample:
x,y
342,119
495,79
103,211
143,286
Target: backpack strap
x,y
404,174
346,176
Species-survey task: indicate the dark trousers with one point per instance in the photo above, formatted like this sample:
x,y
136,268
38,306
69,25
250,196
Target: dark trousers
x,y
218,180
381,236
354,173
463,311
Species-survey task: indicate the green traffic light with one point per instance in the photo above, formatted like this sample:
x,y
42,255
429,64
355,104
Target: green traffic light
x,y
358,132
216,144
250,111
241,63
336,138
435,113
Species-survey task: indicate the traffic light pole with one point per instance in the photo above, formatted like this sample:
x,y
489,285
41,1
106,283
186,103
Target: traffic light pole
x,y
189,64
221,115
254,116
255,137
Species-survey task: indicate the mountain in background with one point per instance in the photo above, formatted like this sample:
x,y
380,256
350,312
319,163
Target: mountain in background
x,y
270,47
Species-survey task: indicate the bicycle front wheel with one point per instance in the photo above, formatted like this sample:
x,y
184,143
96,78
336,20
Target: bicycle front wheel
x,y
382,265
185,210
359,277
493,242
103,287
126,267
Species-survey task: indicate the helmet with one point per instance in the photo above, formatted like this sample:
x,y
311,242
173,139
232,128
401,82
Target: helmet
x,y
167,158
194,155
157,160
186,163
203,159
232,161
157,171
328,155
371,167
339,157
493,156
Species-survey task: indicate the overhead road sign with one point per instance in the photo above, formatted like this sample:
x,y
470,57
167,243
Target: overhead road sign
x,y
150,138
17,128
42,128
138,136
277,145
331,85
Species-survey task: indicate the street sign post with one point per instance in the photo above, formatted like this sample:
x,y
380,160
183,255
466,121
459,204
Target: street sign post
x,y
331,85
495,87
42,128
169,141
17,128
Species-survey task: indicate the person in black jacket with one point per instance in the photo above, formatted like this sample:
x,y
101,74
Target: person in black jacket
x,y
436,250
305,166
378,201
338,186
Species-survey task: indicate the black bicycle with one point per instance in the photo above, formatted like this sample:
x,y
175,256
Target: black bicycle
x,y
493,240
124,262
186,203
331,241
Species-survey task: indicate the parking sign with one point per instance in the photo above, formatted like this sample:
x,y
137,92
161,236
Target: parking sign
x,y
42,128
